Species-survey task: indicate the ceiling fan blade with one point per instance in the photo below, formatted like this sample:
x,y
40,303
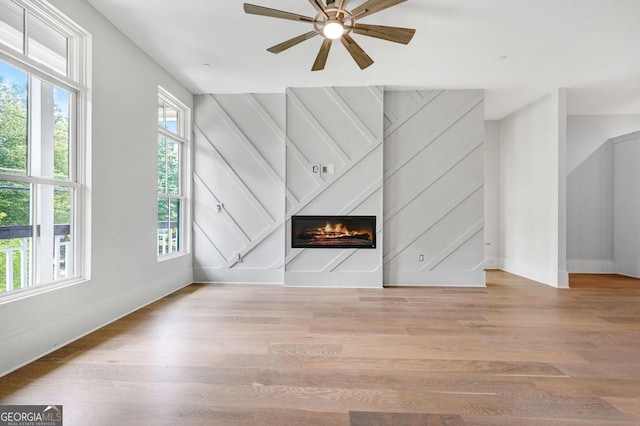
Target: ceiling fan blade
x,y
323,54
373,6
292,42
395,34
319,7
252,9
340,6
360,56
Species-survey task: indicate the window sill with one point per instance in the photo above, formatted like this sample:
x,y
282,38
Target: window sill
x,y
27,292
172,256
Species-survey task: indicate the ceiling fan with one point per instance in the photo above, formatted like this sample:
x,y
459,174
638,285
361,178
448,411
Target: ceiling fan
x,y
335,22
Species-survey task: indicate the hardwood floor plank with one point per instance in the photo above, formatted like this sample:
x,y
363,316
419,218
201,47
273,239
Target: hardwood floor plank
x,y
459,353
137,414
476,420
600,281
563,407
360,418
306,349
459,403
499,368
617,388
628,405
445,383
171,356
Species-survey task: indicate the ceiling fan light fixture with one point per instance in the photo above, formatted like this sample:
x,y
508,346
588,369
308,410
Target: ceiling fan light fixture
x,y
333,29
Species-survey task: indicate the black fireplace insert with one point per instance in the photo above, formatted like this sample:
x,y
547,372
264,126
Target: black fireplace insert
x,y
333,231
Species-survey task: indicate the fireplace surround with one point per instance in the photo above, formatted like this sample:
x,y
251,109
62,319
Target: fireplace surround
x,y
333,232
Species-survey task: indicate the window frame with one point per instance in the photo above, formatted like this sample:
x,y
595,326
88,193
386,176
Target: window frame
x,y
183,138
77,82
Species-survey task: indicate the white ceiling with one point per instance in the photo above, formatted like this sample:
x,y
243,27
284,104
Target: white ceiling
x,y
518,50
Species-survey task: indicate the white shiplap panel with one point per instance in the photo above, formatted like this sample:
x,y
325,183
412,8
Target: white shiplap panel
x,y
433,187
239,163
348,126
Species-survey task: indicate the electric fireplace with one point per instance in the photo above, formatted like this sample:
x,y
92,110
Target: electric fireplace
x,y
333,232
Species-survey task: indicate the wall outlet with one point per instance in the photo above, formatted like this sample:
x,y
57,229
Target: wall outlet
x,y
315,169
328,169
421,258
219,207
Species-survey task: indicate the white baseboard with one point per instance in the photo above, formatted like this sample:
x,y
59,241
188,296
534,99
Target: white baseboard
x,y
238,276
491,263
333,279
558,279
625,273
449,278
591,266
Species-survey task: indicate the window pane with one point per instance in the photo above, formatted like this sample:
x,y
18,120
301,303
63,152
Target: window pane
x,y
54,241
13,120
161,114
15,260
61,134
15,235
15,202
12,25
173,167
63,243
46,45
174,214
62,201
162,165
171,119
49,131
164,226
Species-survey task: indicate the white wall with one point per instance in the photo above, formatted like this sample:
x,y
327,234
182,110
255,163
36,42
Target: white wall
x,y
627,204
533,191
240,164
590,217
339,127
492,194
590,214
587,133
433,187
125,274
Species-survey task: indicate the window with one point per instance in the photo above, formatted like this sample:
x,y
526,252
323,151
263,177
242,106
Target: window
x,y
173,145
43,94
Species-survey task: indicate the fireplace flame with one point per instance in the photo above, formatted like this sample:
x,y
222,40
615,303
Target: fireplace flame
x,y
338,230
316,231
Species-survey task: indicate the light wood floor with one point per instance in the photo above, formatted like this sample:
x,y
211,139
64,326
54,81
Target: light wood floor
x,y
514,353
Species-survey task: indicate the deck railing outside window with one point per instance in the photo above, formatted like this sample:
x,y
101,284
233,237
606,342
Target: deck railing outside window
x,y
15,255
168,238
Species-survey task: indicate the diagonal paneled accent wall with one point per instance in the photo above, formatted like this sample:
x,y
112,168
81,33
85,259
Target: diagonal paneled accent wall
x,y
340,129
414,159
239,181
433,188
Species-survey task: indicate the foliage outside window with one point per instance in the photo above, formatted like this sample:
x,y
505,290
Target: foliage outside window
x,y
173,138
42,97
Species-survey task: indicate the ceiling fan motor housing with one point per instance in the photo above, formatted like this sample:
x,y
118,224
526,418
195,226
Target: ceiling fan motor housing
x,y
334,17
